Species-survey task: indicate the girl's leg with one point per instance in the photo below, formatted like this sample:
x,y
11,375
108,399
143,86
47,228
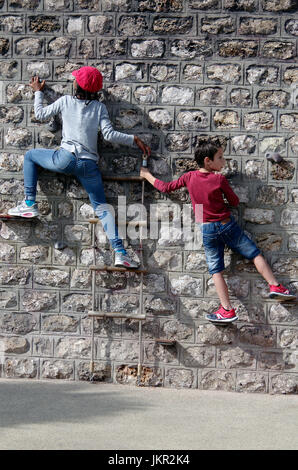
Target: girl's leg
x,y
89,176
222,290
60,161
265,270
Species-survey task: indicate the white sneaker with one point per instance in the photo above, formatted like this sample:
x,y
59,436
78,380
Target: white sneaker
x,y
22,210
123,260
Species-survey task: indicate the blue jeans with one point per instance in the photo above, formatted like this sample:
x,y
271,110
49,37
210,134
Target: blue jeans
x,y
86,171
216,235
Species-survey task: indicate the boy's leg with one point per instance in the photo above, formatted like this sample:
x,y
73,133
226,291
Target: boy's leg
x,y
238,241
277,291
222,290
264,269
89,176
214,251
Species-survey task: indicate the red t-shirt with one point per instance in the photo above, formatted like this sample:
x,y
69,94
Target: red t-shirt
x,y
206,190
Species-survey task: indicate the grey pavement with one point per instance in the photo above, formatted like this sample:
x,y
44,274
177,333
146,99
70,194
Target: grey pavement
x,y
54,415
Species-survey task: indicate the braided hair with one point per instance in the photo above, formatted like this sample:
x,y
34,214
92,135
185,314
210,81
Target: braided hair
x,y
85,95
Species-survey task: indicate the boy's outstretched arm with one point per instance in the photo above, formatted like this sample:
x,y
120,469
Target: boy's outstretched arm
x,y
145,173
162,185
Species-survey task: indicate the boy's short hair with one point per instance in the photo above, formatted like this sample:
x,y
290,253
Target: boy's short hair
x,y
206,148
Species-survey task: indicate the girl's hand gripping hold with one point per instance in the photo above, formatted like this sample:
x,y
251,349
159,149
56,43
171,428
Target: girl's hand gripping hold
x,y
36,85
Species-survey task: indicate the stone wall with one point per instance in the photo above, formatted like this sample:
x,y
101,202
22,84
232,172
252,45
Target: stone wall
x,y
174,72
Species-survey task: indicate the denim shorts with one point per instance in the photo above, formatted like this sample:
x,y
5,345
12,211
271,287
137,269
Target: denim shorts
x,y
217,235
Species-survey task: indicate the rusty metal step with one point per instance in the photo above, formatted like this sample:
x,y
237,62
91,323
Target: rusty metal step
x,y
118,269
123,178
165,342
132,223
93,314
16,217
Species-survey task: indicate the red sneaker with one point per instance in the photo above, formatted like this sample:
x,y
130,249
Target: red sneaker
x,y
280,292
222,316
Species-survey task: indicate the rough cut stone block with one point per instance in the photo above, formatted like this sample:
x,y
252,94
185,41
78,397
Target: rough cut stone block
x,y
257,26
100,24
278,50
22,368
237,48
152,48
203,4
192,119
228,73
190,49
251,382
192,73
223,25
273,98
76,303
102,371
173,26
18,138
258,335
43,24
243,144
127,375
34,254
158,353
240,97
186,285
63,323
9,69
284,171
214,335
217,380
17,323
29,46
288,338
284,384
289,217
262,74
60,47
177,95
57,370
14,345
226,119
12,24
127,71
259,216
132,26
180,378
36,301
72,347
290,75
160,118
279,5
172,329
233,358
259,120
198,356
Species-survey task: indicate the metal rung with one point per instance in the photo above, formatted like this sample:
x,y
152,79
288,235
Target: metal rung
x,y
117,269
123,178
16,217
165,342
115,315
133,223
